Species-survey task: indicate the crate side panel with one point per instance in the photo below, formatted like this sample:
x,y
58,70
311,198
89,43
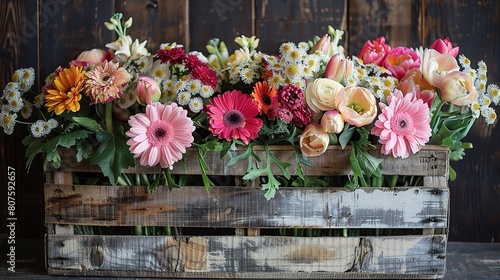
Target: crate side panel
x,y
430,161
162,256
247,207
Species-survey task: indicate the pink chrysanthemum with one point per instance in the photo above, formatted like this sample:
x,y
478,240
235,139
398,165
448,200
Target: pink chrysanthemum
x,y
280,112
206,75
292,97
192,61
106,82
232,115
403,124
161,135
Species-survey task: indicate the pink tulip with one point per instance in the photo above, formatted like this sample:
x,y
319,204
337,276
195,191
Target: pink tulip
x,y
374,51
148,90
357,105
444,46
94,56
332,122
435,66
323,44
401,59
338,68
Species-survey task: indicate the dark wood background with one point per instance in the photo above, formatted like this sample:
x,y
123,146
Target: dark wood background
x,y
47,33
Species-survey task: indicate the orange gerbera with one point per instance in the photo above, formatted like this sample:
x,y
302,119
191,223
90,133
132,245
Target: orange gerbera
x,y
263,94
65,91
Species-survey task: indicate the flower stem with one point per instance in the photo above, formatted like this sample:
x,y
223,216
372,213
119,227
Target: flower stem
x,y
109,117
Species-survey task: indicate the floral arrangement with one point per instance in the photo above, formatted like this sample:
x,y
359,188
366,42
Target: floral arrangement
x,y
123,103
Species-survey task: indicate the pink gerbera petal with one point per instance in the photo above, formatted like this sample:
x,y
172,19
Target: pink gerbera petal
x,y
161,135
403,126
233,115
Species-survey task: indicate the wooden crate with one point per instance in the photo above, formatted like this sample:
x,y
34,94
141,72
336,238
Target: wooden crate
x,y
230,232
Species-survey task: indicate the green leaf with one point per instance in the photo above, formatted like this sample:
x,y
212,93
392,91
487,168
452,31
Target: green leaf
x,y
254,174
88,123
66,140
112,155
34,147
346,136
83,150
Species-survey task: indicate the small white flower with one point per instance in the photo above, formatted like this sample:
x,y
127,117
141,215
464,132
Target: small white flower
x,y
494,93
489,115
52,123
196,104
183,98
26,111
464,61
7,122
206,91
15,104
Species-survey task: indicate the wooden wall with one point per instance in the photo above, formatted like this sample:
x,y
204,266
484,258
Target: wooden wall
x,y
47,33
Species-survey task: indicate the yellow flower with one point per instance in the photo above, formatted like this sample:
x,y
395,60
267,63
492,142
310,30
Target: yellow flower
x,y
65,91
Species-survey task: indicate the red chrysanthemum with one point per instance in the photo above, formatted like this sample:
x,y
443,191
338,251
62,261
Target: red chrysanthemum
x,y
172,56
232,115
206,75
192,61
302,116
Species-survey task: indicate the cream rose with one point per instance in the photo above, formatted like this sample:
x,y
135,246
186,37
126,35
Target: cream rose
x,y
458,88
320,94
357,105
313,140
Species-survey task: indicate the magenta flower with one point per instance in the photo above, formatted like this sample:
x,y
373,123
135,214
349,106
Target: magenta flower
x,y
403,125
444,46
161,135
232,115
401,59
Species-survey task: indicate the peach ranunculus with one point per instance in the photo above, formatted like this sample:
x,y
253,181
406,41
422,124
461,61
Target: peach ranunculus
x,y
314,140
374,51
338,68
444,46
435,66
332,122
93,56
357,105
401,59
320,94
147,90
414,82
458,88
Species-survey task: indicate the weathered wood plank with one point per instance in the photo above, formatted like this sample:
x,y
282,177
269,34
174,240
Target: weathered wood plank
x,y
430,161
157,21
278,22
403,257
397,21
247,207
223,19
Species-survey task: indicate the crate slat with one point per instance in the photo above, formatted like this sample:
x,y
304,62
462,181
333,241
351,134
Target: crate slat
x,y
248,257
246,207
430,161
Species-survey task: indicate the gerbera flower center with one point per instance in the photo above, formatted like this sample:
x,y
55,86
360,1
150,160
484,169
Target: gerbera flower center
x,y
266,100
159,133
402,123
234,119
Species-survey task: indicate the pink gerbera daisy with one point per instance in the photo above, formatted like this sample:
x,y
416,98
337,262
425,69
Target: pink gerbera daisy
x,y
161,135
233,116
403,124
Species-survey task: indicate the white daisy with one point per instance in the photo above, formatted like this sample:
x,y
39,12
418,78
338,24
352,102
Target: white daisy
x,y
183,98
196,104
494,93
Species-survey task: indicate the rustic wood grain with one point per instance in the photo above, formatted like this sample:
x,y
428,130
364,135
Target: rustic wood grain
x,y
223,19
430,161
249,257
157,22
278,22
246,207
397,21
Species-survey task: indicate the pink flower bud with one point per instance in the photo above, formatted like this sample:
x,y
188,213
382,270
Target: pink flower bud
x,y
444,46
323,44
148,90
94,56
332,121
338,68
